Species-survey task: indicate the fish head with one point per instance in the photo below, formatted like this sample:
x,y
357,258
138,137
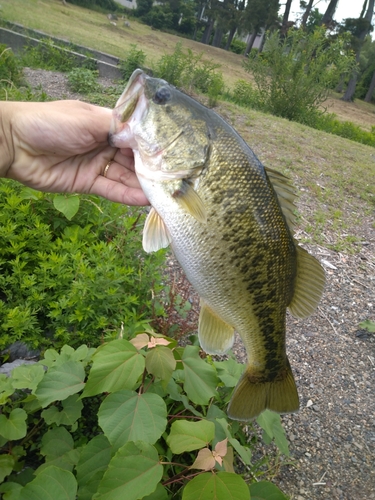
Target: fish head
x,y
168,134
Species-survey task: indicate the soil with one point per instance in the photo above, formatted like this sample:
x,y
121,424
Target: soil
x,y
332,437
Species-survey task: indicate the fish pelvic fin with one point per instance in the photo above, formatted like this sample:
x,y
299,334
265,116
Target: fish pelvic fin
x,y
215,336
309,285
155,233
252,395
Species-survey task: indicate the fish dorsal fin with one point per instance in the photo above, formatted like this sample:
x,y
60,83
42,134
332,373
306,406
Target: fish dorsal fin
x,y
309,285
215,336
190,201
155,233
286,195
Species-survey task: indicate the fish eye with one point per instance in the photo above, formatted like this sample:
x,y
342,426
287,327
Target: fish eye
x,y
162,95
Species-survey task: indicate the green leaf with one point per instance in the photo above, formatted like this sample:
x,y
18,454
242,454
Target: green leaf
x,y
6,466
27,376
60,382
51,484
368,325
264,490
221,486
200,380
128,416
116,366
188,436
159,494
14,426
160,362
58,447
243,451
132,474
72,407
229,371
94,460
6,388
11,491
270,422
68,205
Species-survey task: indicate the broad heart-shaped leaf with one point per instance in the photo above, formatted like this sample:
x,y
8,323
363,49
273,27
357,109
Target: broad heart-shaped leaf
x,y
60,382
10,490
159,494
70,413
127,416
160,362
200,380
220,486
229,371
93,461
27,376
14,426
51,484
189,436
116,366
264,490
6,466
68,205
270,422
6,388
56,442
132,474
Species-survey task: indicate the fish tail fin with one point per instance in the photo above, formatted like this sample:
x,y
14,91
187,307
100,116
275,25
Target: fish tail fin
x,y
253,395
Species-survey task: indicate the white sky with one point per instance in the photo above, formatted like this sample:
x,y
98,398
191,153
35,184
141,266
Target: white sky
x,y
345,8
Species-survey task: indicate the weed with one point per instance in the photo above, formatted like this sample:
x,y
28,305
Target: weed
x,y
47,55
134,59
83,80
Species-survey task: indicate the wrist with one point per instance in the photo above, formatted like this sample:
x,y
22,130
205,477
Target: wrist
x,y
6,138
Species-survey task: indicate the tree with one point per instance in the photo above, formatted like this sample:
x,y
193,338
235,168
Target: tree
x,y
259,14
286,23
306,13
329,13
371,89
365,28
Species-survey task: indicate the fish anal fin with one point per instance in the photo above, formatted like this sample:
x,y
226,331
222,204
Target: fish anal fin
x,y
309,285
190,201
155,233
286,195
215,336
251,397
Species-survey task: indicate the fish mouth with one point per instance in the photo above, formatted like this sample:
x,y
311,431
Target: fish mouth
x,y
130,107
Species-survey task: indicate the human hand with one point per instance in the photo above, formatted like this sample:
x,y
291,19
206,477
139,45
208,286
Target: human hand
x,y
63,146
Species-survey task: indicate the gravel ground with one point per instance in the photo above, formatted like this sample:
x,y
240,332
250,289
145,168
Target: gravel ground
x,y
332,437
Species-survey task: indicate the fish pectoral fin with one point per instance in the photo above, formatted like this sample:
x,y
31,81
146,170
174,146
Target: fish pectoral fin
x,y
309,285
286,195
155,233
190,201
251,397
215,336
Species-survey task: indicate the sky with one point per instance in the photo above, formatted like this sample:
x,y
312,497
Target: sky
x,y
346,8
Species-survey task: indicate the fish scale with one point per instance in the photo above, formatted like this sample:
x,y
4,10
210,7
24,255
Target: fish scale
x,y
228,221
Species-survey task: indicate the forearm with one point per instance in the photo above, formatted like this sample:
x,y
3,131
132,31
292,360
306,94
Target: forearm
x,y
7,113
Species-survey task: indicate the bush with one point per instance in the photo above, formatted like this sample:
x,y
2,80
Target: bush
x,y
83,80
190,71
132,419
346,129
294,75
71,281
134,59
10,69
237,46
244,94
47,55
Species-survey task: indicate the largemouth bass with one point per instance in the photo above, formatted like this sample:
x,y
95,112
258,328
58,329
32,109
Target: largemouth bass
x,y
229,222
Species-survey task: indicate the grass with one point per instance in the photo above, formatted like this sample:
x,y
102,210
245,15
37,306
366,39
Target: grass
x,y
333,175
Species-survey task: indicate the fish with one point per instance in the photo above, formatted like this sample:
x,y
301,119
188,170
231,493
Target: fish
x,y
229,222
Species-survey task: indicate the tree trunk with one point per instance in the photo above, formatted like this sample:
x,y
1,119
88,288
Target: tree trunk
x,y
216,42
230,37
371,89
207,31
306,14
285,25
349,94
250,43
329,13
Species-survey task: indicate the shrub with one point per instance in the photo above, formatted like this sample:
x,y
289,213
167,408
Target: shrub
x,y
83,80
132,419
71,281
134,59
47,55
10,69
237,46
245,94
294,75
